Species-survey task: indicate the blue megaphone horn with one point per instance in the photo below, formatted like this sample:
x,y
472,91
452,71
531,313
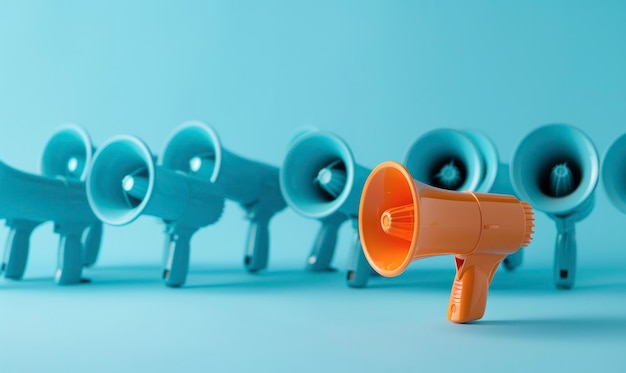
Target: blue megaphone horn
x,y
124,182
320,179
195,149
555,168
614,173
58,195
461,161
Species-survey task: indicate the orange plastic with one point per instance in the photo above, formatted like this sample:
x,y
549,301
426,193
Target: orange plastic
x,y
401,220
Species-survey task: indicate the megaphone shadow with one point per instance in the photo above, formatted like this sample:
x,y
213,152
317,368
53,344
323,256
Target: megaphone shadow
x,y
271,280
558,328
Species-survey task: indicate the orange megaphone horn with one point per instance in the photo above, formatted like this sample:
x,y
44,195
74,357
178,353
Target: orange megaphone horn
x,y
402,219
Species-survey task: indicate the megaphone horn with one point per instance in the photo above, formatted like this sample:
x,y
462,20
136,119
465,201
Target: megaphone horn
x,y
614,174
124,183
320,179
195,149
66,155
555,168
461,160
402,219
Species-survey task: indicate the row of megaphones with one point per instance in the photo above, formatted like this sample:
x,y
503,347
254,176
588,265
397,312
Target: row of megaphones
x,y
462,205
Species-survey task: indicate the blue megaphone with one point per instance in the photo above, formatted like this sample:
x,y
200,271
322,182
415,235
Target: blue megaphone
x,y
555,168
195,149
320,179
461,161
124,182
58,195
614,173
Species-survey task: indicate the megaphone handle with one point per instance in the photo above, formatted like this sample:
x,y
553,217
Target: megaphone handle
x,y
359,270
91,244
257,247
565,253
70,260
17,248
514,260
468,298
177,246
324,246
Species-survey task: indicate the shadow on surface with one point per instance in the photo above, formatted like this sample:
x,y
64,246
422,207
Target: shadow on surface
x,y
557,328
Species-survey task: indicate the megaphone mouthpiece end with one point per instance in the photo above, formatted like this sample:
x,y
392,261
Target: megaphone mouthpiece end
x,y
530,223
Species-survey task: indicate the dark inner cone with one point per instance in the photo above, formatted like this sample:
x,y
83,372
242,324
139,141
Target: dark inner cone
x,y
560,177
448,173
331,180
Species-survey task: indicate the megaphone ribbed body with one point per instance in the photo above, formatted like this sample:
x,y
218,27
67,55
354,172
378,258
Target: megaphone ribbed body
x,y
41,198
170,195
445,222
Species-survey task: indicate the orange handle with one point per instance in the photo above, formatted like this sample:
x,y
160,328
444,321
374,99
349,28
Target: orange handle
x,y
468,298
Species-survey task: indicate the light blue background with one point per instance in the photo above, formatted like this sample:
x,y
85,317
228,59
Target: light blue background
x,y
379,74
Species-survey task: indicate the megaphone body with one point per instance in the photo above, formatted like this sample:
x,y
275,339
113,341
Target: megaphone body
x,y
28,200
320,180
195,149
402,219
555,168
124,183
66,157
461,161
614,173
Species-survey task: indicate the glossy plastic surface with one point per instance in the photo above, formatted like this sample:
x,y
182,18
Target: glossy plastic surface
x,y
65,161
195,149
537,162
124,183
402,219
614,173
309,183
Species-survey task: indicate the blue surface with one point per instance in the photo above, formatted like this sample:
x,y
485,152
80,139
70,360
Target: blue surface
x,y
379,74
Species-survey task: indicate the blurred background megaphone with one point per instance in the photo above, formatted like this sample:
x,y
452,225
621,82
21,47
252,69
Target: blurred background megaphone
x,y
555,169
320,179
402,219
195,149
59,196
614,173
124,182
461,161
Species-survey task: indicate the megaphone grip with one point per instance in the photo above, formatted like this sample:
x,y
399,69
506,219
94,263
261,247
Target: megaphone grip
x,y
257,251
70,262
91,244
359,270
468,298
565,254
177,245
324,245
16,251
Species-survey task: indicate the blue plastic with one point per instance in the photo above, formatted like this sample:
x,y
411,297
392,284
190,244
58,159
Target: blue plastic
x,y
195,149
124,183
539,177
64,165
320,180
470,161
614,173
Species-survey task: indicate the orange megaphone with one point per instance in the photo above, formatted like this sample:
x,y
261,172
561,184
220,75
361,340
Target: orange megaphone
x,y
402,219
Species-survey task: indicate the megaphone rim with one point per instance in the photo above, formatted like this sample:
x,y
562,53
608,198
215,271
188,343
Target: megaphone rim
x,y
397,166
207,129
350,173
146,155
491,158
552,206
611,155
86,139
475,182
